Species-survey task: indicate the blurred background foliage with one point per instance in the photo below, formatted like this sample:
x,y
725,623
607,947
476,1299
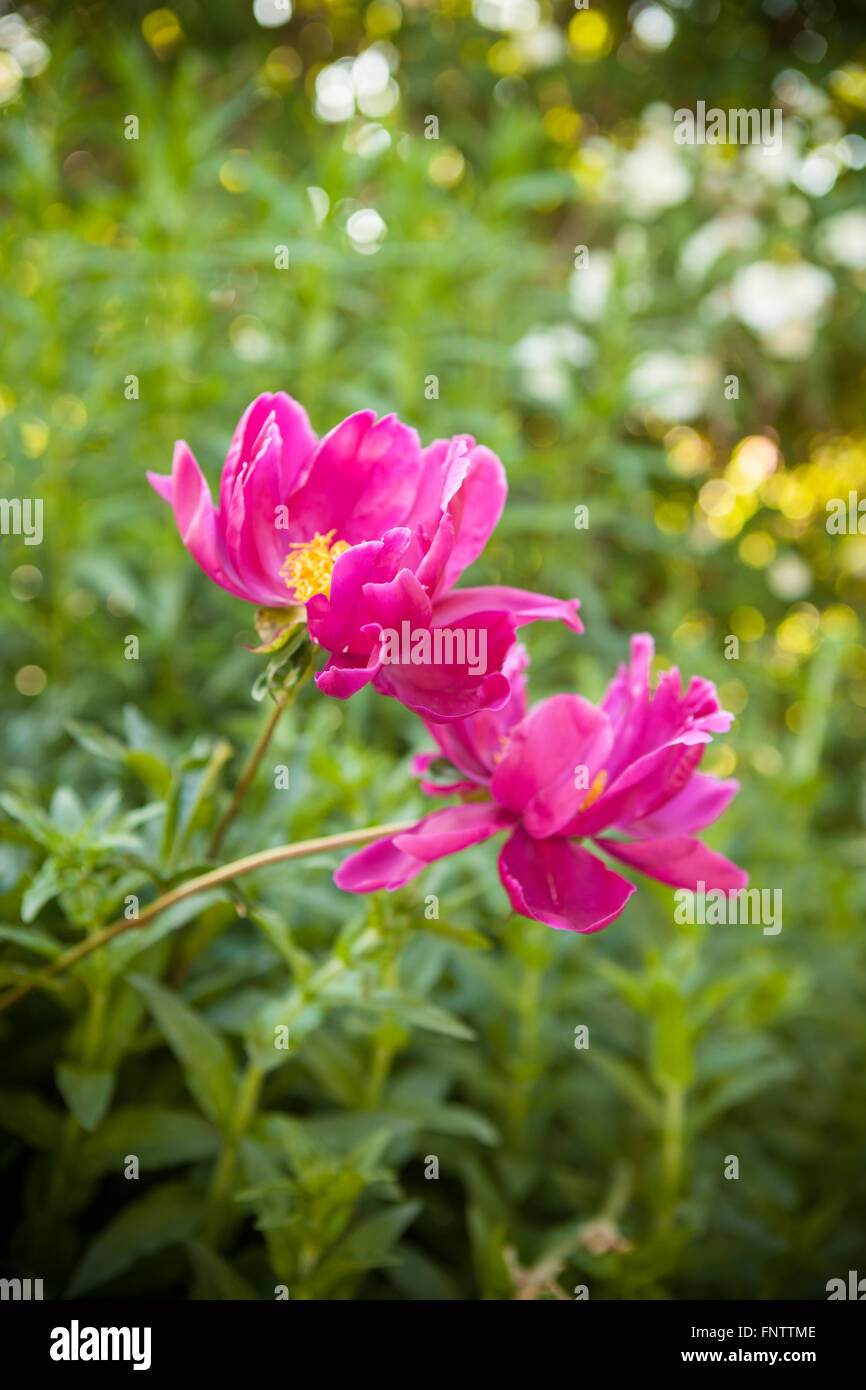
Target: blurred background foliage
x,y
604,380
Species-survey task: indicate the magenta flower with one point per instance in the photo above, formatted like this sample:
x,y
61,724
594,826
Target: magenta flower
x,y
621,776
369,532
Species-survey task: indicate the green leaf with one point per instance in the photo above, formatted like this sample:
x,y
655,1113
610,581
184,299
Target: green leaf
x,y
37,824
457,1120
26,1115
95,740
461,936
149,769
739,1089
118,954
46,885
157,1136
625,1076
214,1277
418,1012
87,1093
164,1216
66,811
369,1244
204,1056
31,939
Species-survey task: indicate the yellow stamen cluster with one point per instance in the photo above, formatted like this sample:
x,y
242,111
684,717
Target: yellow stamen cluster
x,y
308,566
599,782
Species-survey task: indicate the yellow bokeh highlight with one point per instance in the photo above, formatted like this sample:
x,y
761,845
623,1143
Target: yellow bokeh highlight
x,y
720,760
34,437
733,695
753,461
161,29
672,518
562,125
447,167
840,621
382,18
283,66
757,549
748,624
798,632
687,453
589,36
506,58
233,175
848,83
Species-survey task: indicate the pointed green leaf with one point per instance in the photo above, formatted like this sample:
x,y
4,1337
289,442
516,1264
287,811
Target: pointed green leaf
x,y
204,1056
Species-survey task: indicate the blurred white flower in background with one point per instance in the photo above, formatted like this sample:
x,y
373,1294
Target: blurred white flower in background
x,y
653,27
852,149
368,140
335,94
735,231
783,304
22,54
798,94
819,170
364,83
789,577
10,78
270,14
514,15
366,231
540,47
590,285
843,238
651,176
672,385
319,202
545,355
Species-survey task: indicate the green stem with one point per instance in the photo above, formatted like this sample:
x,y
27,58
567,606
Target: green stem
x,y
281,702
262,859
525,1068
673,1136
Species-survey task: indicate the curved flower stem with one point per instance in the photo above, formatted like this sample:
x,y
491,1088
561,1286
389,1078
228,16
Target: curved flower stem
x,y
224,874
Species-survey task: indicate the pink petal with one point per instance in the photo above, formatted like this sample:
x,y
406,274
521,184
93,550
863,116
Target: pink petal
x,y
475,744
249,514
455,828
702,800
198,525
558,882
536,775
363,479
472,494
441,691
523,606
337,623
380,865
479,492
679,861
343,676
642,789
161,484
297,443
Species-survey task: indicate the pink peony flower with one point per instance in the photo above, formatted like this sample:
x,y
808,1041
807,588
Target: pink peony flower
x,y
369,532
621,776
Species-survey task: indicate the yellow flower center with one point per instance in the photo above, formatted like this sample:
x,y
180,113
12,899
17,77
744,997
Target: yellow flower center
x,y
308,566
599,782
